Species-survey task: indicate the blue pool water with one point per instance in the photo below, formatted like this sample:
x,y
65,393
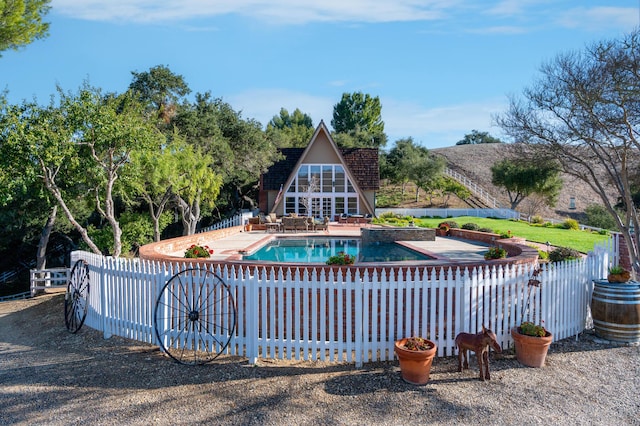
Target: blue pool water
x,y
318,250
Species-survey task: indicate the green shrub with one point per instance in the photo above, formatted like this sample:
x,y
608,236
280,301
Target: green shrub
x,y
495,253
470,226
341,258
571,224
388,215
450,223
537,219
542,254
599,217
489,230
561,254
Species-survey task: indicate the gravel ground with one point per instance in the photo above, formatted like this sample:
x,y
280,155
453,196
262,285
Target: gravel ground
x,y
49,376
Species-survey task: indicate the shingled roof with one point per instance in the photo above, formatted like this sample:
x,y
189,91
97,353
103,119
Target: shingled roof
x,y
362,162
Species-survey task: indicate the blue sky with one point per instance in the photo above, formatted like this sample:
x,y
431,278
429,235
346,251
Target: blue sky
x,y
440,67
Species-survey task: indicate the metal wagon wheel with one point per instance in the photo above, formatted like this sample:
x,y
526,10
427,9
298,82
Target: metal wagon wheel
x,y
76,299
194,317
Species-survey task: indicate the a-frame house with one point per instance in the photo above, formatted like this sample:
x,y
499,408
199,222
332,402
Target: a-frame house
x,y
321,180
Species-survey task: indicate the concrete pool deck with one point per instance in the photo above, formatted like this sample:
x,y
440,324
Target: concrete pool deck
x,y
443,248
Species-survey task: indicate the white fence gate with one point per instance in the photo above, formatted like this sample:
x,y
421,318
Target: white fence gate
x,y
352,314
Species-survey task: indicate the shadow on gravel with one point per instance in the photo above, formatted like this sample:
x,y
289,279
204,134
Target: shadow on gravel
x,y
35,347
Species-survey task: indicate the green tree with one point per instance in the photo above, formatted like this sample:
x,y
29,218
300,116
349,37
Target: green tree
x,y
293,130
583,110
476,137
107,128
38,138
197,186
408,162
398,162
161,89
599,217
359,115
153,174
21,22
239,149
521,179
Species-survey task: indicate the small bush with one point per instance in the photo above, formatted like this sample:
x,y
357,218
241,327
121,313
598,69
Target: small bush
x,y
599,217
563,253
470,226
537,219
495,253
341,258
488,230
571,224
542,254
388,215
451,223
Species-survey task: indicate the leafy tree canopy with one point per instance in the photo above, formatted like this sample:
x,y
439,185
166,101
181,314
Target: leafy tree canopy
x,y
476,137
290,130
359,115
161,89
21,22
521,179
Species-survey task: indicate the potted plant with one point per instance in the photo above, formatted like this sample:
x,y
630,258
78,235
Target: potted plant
x,y
195,251
495,253
531,340
443,229
617,274
532,343
416,356
341,258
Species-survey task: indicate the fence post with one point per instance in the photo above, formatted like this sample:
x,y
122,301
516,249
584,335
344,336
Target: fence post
x,y
102,285
252,313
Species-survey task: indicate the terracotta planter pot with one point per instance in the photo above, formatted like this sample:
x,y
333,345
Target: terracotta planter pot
x,y
415,366
622,277
442,232
530,350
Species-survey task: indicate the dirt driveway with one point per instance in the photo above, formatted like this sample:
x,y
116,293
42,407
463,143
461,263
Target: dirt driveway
x,y
49,376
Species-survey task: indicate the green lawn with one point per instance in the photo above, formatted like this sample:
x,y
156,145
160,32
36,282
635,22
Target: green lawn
x,y
583,241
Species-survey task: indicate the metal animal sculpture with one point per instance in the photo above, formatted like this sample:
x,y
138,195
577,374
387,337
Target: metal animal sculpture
x,y
478,343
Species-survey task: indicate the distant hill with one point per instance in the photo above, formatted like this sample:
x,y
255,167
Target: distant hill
x,y
475,161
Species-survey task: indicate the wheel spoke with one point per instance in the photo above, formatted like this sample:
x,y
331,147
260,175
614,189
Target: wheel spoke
x,y
76,303
195,317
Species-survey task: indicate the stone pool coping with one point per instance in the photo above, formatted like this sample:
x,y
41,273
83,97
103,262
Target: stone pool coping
x,y
230,250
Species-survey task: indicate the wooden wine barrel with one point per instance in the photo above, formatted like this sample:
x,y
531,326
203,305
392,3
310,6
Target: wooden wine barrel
x,y
615,308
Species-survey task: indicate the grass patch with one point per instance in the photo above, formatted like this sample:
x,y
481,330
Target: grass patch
x,y
583,241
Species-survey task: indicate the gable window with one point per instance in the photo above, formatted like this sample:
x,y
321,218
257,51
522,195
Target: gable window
x,y
321,190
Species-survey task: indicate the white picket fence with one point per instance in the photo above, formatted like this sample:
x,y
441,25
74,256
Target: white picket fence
x,y
352,314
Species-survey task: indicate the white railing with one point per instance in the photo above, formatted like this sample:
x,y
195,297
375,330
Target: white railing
x,y
495,213
43,279
237,220
477,190
351,314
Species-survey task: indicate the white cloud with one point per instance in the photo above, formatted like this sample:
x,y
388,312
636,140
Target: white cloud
x,y
272,11
597,18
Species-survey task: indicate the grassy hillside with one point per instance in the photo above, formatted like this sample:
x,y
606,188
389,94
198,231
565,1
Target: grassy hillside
x,y
475,161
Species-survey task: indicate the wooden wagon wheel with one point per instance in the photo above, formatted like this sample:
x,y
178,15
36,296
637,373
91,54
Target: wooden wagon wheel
x,y
194,317
76,299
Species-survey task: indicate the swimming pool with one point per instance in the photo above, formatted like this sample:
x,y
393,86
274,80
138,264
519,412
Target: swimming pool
x,y
319,249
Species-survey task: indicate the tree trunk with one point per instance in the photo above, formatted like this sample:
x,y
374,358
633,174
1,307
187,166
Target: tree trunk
x,y
41,254
55,191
